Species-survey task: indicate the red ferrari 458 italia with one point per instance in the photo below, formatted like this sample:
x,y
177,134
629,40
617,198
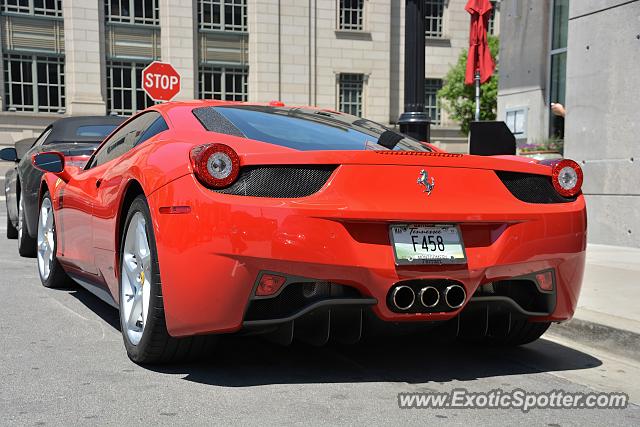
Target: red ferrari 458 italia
x,y
209,217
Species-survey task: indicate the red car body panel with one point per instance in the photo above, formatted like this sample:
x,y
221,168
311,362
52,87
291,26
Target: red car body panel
x,y
210,258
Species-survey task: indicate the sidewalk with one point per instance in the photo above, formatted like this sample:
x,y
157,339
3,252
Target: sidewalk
x,y
608,313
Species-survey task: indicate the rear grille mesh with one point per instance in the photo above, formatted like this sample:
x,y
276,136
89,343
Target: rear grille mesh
x,y
532,188
279,181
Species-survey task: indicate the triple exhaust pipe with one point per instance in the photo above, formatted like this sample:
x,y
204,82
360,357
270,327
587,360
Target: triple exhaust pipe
x,y
404,298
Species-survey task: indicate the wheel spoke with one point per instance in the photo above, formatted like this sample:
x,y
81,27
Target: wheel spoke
x,y
50,241
134,314
131,270
45,215
49,223
46,264
145,255
142,244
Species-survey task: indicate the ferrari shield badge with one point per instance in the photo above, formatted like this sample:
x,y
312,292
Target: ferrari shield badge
x,y
424,180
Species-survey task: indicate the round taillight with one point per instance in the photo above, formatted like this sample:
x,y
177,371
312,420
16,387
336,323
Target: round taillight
x,y
215,165
567,178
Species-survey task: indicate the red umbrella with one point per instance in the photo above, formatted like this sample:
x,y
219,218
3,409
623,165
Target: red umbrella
x,y
479,58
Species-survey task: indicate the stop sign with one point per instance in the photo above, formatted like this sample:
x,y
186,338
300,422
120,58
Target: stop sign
x,y
161,81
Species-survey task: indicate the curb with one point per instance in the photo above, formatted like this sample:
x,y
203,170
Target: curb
x,y
620,342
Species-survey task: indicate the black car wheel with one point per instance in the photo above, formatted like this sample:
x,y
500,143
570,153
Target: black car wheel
x,y
142,318
51,272
26,244
12,232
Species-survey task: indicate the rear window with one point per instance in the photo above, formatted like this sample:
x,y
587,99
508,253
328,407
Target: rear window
x,y
304,129
94,131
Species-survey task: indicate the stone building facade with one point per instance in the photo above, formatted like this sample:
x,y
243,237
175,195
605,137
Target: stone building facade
x,y
339,54
584,54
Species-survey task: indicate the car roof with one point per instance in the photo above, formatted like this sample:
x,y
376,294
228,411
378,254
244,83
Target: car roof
x,y
23,145
66,129
167,106
25,141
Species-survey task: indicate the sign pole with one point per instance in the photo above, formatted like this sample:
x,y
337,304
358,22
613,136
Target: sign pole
x,y
414,121
477,78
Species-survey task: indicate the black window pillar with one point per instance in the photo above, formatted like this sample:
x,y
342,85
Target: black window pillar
x,y
414,121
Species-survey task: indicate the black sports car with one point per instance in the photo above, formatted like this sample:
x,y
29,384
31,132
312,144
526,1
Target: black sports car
x,y
75,137
10,180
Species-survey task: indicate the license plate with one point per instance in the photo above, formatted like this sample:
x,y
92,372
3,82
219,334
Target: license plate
x,y
427,244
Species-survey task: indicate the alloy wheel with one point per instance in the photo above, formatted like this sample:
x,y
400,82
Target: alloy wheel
x,y
20,221
46,240
135,289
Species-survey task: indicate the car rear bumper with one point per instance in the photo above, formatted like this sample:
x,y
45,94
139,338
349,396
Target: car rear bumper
x,y
211,258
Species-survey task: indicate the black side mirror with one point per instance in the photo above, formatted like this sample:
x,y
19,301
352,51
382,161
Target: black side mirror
x,y
49,162
9,154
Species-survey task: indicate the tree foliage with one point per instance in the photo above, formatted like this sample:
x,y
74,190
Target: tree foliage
x,y
459,100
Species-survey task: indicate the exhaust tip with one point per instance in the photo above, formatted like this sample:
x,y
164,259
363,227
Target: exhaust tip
x,y
403,297
454,296
429,296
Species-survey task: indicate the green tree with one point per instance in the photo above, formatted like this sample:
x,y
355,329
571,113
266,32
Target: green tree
x,y
459,100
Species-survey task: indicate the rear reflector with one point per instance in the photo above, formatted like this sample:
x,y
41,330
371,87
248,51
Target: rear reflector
x,y
269,284
545,280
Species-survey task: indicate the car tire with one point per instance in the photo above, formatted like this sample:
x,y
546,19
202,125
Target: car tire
x,y
27,245
12,232
144,332
51,273
521,332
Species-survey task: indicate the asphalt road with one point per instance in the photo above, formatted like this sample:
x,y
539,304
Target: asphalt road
x,y
63,363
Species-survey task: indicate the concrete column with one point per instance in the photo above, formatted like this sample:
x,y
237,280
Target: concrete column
x,y
524,62
178,39
265,51
83,53
602,127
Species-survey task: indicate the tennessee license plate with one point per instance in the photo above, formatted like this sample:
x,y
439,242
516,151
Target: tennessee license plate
x,y
427,244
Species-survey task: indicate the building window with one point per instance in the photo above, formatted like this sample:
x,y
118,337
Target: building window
x,y
132,11
34,83
516,120
351,15
33,7
225,83
431,107
222,15
558,61
125,95
434,10
491,27
350,88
